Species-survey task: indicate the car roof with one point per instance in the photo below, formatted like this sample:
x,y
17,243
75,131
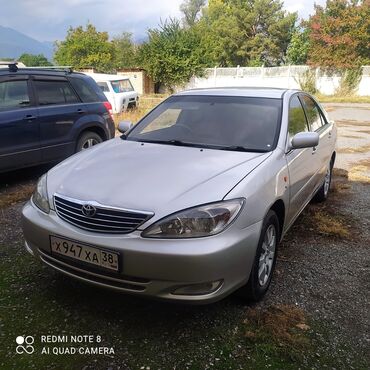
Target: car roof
x,y
40,71
257,92
103,77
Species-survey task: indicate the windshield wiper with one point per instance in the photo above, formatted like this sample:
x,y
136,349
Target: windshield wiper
x,y
240,148
168,142
177,142
181,143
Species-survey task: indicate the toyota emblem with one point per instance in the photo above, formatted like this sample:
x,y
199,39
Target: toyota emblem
x,y
88,210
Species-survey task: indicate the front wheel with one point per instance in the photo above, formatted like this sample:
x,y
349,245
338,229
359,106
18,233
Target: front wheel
x,y
87,140
264,261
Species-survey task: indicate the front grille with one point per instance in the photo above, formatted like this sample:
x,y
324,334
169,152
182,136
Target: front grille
x,y
104,220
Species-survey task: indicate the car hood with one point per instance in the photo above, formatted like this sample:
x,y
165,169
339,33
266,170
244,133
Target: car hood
x,y
150,177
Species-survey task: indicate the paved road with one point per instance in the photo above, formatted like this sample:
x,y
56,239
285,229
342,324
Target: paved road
x,y
349,112
353,146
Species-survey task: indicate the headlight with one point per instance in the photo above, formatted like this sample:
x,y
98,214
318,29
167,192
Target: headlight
x,y
205,220
40,196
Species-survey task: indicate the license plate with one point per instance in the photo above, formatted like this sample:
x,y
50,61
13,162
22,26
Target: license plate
x,y
84,253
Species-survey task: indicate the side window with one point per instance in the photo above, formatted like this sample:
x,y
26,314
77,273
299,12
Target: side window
x,y
297,118
323,119
55,92
104,86
313,113
14,95
86,92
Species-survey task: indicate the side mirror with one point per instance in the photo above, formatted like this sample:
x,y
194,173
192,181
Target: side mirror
x,y
305,140
124,126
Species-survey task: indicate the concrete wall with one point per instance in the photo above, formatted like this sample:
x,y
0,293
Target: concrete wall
x,y
139,79
136,78
286,77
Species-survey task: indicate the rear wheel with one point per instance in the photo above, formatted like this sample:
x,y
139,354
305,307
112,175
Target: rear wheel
x,y
264,262
323,192
87,140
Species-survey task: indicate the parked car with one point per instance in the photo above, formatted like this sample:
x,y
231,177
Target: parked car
x,y
49,114
209,182
118,90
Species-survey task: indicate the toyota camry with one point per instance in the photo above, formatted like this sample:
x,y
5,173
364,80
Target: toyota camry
x,y
190,203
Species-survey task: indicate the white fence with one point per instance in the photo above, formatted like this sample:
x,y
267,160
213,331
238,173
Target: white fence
x,y
286,77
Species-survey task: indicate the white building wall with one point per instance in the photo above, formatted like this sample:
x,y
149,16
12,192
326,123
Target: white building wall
x,y
285,77
136,78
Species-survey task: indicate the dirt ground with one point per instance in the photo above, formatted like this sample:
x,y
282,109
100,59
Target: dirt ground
x,y
316,314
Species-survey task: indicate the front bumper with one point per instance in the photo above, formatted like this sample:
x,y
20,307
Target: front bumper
x,y
151,267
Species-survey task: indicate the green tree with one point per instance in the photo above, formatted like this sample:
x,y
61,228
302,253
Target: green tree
x,y
32,60
339,34
246,32
191,10
298,48
85,48
125,51
172,54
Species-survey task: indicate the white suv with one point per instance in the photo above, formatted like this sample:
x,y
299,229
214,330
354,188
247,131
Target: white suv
x,y
118,90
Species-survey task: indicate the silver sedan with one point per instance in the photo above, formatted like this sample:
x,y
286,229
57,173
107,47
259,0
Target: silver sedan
x,y
189,204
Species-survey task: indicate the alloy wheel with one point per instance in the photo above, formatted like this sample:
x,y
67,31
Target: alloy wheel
x,y
327,181
266,259
89,143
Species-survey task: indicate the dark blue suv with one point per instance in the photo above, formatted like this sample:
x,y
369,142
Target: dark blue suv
x,y
47,115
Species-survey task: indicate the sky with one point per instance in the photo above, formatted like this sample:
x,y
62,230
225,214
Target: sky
x,y
48,20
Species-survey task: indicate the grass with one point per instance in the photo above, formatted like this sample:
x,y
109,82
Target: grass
x,y
358,149
284,324
341,187
146,104
342,98
340,172
324,218
13,196
330,224
360,173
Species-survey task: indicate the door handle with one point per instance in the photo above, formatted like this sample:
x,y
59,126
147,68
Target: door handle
x,y
29,117
80,111
314,149
329,135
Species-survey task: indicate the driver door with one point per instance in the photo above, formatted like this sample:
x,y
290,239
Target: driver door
x,y
300,162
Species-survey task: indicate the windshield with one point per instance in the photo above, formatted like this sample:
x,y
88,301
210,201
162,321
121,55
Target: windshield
x,y
230,123
121,86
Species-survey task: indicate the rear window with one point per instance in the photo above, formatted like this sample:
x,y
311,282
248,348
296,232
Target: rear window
x,y
55,92
84,90
312,113
13,95
104,86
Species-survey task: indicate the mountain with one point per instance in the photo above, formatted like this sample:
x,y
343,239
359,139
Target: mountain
x,y
13,44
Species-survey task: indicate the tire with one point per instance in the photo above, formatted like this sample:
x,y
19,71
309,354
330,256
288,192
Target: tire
x,y
87,140
260,277
323,192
